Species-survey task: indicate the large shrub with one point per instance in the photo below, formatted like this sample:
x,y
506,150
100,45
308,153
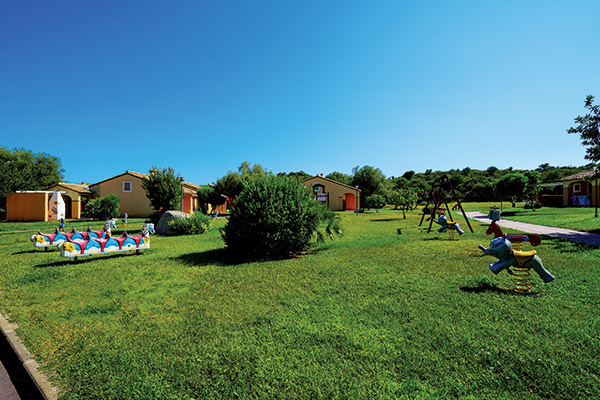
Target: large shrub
x,y
275,217
103,208
193,225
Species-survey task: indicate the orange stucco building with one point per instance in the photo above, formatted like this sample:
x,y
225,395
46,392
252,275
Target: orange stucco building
x,y
33,206
27,206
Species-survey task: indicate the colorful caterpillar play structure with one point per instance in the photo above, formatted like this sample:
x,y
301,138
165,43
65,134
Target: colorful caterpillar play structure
x,y
76,244
107,244
46,240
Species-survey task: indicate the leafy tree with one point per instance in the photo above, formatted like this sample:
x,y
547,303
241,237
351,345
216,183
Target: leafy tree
x,y
375,201
299,176
491,171
531,188
481,191
103,208
231,185
587,129
403,199
545,167
511,186
408,175
275,217
164,190
208,195
23,170
340,177
370,180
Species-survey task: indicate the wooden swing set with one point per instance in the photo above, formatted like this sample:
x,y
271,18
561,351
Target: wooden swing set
x,y
437,197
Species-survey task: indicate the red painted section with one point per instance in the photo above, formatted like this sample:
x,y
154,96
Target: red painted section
x,y
350,200
188,203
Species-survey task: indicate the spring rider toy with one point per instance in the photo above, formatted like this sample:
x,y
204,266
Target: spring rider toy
x,y
446,225
507,257
522,261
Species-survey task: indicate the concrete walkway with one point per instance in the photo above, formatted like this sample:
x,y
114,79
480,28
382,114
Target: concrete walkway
x,y
569,234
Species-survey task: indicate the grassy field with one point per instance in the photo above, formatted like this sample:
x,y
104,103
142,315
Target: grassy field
x,y
373,315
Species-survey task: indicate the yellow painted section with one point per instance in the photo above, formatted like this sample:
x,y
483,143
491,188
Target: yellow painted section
x,y
27,207
76,209
134,203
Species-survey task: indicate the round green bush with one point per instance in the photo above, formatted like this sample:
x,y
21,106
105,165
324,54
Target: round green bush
x,y
274,217
195,224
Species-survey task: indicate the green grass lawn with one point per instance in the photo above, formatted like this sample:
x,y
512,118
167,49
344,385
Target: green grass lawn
x,y
372,315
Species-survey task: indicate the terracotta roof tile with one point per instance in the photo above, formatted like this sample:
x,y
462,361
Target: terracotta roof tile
x,y
578,176
76,187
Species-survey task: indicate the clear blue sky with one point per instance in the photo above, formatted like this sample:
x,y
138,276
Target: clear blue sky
x,y
319,86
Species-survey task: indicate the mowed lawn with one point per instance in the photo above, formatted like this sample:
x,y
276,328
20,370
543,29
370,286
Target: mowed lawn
x,y
372,315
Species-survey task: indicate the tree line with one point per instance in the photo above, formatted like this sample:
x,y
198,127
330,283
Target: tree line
x,y
411,187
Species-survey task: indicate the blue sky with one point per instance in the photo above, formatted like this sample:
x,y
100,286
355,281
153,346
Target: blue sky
x,y
320,86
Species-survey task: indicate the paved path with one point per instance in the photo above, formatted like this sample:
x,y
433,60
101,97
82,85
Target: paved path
x,y
569,234
7,389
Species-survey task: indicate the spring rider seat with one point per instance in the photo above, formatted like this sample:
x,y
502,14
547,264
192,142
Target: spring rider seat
x,y
522,261
449,226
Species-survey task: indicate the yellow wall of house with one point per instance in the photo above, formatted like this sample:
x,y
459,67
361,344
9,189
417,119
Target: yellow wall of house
x,y
134,203
337,194
27,207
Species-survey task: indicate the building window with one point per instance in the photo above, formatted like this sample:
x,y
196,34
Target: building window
x,y
577,188
127,186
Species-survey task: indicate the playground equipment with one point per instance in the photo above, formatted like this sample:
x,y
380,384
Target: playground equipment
x,y
520,260
125,221
92,245
515,240
437,197
449,226
47,240
501,247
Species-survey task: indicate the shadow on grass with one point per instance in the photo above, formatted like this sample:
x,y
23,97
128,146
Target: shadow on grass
x,y
484,287
223,257
387,219
28,252
564,245
87,259
210,257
